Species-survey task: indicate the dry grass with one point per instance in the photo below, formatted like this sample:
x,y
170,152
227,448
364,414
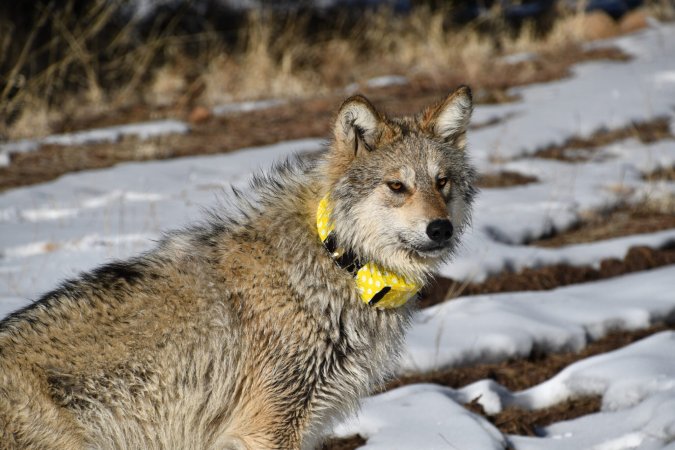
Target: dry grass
x,y
91,64
663,10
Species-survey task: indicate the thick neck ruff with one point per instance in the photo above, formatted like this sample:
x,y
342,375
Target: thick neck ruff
x,y
377,286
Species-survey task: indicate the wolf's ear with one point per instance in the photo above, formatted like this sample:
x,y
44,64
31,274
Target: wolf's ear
x,y
358,126
449,118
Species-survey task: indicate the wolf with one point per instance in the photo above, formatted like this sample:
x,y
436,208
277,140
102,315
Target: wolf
x,y
261,326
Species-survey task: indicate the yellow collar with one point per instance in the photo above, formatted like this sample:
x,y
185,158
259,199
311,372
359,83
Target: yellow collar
x,y
377,286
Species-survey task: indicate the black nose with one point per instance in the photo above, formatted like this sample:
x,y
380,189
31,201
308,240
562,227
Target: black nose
x,y
440,230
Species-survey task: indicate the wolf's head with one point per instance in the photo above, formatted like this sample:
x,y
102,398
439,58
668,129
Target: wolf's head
x,y
401,188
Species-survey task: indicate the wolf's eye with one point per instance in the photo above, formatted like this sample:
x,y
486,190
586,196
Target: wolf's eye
x,y
396,186
441,182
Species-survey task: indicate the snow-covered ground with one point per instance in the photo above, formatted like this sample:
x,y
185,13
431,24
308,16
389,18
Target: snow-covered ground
x,y
53,230
637,385
142,131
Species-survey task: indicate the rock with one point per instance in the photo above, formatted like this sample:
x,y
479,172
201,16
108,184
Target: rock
x,y
199,114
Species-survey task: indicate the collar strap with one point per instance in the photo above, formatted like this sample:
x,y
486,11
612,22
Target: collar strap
x,y
377,286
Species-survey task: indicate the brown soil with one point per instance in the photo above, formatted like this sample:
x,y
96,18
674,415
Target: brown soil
x,y
646,132
522,422
665,174
623,221
348,443
504,179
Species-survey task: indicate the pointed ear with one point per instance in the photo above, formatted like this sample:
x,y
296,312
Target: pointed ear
x,y
449,119
358,126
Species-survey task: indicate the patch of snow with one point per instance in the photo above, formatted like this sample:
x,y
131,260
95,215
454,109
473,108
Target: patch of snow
x,y
42,225
143,131
234,108
516,58
505,219
377,82
492,328
22,146
11,304
386,80
82,244
636,383
420,416
37,215
601,94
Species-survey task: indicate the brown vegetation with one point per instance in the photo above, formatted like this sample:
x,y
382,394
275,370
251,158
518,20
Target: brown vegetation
x,y
348,443
644,131
504,179
92,65
514,420
618,222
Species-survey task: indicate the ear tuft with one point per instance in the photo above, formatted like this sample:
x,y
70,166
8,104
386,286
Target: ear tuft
x,y
450,119
357,120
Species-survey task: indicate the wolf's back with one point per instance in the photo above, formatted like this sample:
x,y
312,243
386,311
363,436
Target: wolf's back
x,y
112,343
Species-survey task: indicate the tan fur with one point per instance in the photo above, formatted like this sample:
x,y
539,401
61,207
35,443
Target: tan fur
x,y
241,332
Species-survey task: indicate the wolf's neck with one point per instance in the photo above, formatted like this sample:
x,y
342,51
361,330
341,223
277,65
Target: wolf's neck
x,y
377,286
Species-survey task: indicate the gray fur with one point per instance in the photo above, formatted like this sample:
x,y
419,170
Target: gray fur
x,y
237,333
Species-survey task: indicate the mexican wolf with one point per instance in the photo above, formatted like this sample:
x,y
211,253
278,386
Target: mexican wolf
x,y
258,329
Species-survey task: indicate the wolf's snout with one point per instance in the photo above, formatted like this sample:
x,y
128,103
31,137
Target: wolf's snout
x,y
439,230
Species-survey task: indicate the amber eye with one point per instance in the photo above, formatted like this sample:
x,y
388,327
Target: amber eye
x,y
441,182
396,186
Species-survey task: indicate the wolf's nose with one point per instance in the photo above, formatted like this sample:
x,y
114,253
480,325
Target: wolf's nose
x,y
440,230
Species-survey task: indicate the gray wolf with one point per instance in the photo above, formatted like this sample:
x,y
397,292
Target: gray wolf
x,y
250,330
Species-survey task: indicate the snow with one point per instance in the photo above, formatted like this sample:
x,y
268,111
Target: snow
x,y
377,82
386,80
53,230
88,212
439,422
637,385
613,94
233,108
143,131
491,328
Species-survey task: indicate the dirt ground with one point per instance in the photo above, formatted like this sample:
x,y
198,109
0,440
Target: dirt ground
x,y
578,149
616,223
